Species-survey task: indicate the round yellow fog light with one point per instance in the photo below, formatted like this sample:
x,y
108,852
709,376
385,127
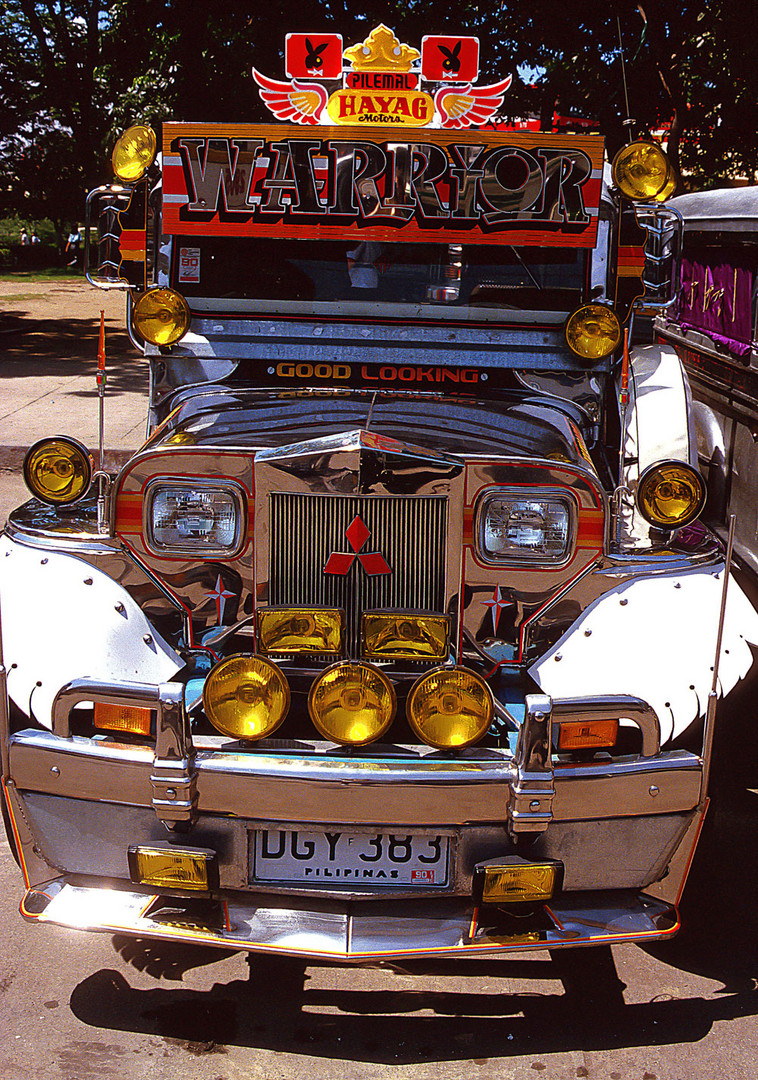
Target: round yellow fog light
x,y
449,708
641,170
246,697
58,470
161,316
670,494
352,704
134,153
593,331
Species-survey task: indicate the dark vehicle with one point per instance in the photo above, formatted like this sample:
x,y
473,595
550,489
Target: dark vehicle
x,y
713,330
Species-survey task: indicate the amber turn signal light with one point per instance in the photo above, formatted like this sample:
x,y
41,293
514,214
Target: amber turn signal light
x,y
125,718
587,734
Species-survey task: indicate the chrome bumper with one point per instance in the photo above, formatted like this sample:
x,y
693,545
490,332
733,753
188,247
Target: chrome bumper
x,y
358,932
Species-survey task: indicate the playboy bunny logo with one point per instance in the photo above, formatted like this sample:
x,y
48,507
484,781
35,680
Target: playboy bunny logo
x,y
451,65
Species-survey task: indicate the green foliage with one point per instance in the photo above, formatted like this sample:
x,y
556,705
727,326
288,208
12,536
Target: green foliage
x,y
75,73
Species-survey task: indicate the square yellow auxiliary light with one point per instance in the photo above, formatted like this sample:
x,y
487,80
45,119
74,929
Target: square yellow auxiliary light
x,y
300,630
122,718
392,635
163,866
513,880
587,734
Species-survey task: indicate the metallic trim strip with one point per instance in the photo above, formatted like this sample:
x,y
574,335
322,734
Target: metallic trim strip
x,y
362,931
429,790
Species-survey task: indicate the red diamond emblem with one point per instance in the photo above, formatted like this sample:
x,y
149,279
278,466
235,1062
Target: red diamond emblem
x,y
373,562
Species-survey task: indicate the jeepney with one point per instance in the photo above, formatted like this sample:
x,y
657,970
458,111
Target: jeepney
x,y
398,635
712,327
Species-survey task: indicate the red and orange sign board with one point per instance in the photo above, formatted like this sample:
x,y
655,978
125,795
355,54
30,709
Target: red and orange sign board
x,y
349,183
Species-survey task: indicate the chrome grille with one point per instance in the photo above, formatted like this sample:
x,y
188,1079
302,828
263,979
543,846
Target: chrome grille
x,y
407,531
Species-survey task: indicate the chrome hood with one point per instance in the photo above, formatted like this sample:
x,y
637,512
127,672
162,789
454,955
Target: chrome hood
x,y
513,426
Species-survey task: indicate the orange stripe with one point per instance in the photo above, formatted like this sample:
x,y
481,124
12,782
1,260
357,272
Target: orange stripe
x,y
129,514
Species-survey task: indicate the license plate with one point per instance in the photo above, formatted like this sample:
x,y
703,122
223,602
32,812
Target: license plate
x,y
341,858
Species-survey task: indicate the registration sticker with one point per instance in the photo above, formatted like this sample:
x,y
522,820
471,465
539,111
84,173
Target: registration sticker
x,y
189,265
340,858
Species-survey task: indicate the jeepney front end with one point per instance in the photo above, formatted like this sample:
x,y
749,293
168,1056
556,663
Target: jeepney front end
x,y
391,638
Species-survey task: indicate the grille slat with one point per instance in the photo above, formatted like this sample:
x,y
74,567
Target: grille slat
x,y
409,531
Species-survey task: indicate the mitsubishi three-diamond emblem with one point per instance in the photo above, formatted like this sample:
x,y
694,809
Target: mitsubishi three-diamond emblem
x,y
357,534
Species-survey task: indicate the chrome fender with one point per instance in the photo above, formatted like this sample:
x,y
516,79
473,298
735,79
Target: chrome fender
x,y
63,619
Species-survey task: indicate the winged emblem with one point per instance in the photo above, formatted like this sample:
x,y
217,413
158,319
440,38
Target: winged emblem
x,y
464,106
298,102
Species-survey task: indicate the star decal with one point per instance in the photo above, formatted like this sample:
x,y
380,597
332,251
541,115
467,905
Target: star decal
x,y
496,605
220,595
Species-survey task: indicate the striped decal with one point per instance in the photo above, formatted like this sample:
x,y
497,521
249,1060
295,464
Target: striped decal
x,y
129,514
631,261
133,244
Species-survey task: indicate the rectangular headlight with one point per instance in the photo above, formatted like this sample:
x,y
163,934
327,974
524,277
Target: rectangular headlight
x,y
535,525
193,518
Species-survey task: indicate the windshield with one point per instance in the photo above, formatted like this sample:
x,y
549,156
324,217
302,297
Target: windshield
x,y
389,276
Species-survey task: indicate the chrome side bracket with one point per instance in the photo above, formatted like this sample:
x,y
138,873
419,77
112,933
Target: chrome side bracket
x,y
530,806
173,776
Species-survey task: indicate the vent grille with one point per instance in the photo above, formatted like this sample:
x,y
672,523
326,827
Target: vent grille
x,y
408,532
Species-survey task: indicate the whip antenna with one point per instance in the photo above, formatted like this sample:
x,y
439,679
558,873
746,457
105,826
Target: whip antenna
x,y
628,123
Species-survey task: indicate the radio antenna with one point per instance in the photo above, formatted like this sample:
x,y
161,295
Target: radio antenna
x,y
628,123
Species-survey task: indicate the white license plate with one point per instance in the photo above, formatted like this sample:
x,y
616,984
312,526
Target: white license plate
x,y
341,858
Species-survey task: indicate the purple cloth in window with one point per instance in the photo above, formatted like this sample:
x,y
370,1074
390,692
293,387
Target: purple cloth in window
x,y
717,298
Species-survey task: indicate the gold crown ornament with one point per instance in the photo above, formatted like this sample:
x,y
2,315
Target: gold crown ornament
x,y
381,51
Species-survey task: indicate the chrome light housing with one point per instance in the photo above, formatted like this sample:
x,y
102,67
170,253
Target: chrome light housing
x,y
525,526
193,517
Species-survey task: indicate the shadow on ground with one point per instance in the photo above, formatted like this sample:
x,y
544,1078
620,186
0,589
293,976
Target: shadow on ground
x,y
277,1011
68,346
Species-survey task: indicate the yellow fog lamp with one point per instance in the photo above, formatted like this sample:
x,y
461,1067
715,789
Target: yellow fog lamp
x,y
513,880
246,697
642,171
389,636
670,494
352,704
300,630
593,332
450,708
134,153
161,316
163,866
587,734
58,470
126,718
